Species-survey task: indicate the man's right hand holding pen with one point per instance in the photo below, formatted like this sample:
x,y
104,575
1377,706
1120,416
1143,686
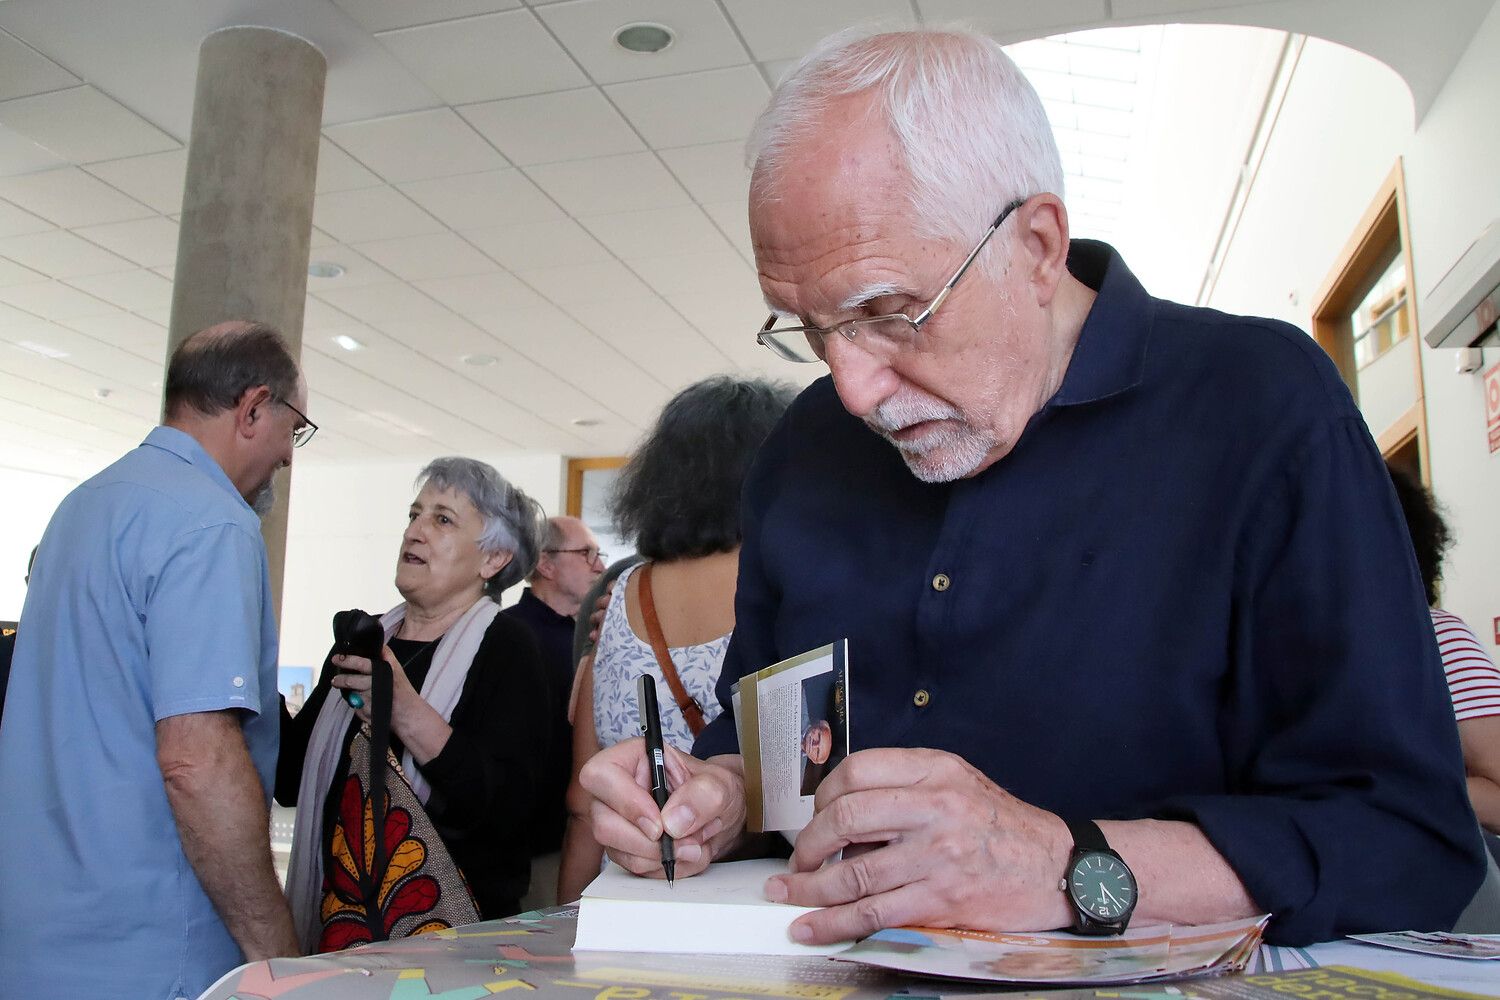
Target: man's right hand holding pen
x,y
705,814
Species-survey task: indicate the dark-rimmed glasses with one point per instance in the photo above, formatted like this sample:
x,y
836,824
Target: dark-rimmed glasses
x,y
881,336
589,553
300,435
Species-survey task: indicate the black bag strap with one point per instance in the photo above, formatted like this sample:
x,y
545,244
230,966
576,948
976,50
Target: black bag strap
x,y
368,640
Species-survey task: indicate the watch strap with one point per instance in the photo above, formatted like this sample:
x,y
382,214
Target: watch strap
x,y
1087,836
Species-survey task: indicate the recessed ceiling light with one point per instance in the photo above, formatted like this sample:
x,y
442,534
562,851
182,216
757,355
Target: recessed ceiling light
x,y
643,37
348,343
586,421
42,349
480,360
325,269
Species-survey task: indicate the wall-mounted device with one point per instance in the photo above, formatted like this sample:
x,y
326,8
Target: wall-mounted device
x,y
1463,306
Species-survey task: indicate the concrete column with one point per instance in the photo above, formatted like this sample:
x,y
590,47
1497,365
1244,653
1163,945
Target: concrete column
x,y
242,251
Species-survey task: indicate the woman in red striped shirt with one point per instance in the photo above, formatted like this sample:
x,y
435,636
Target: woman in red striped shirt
x,y
1473,678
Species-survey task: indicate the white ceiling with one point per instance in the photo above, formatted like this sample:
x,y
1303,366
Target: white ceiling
x,y
499,181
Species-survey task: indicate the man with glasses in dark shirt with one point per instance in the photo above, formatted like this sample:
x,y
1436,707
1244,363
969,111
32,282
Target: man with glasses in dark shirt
x,y
1133,628
570,563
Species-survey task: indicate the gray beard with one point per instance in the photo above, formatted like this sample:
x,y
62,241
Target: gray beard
x,y
264,499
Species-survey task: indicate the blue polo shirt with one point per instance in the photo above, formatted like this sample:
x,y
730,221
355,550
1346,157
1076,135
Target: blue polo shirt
x,y
150,598
1187,593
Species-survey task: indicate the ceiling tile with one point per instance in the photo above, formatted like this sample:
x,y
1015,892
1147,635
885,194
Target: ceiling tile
x,y
395,308
482,58
24,70
371,214
483,298
440,255
59,254
55,301
359,270
15,221
19,155
150,242
383,15
656,232
788,29
712,172
14,274
538,244
479,201
320,239
1007,19
776,70
578,283
634,181
338,171
417,146
543,128
702,38
651,330
723,274
82,125
733,219
69,197
125,330
696,108
156,179
139,291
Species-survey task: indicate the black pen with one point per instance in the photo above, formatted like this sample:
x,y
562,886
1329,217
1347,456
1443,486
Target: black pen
x,y
656,761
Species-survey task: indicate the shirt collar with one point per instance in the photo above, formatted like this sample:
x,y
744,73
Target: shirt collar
x,y
187,448
542,607
1111,349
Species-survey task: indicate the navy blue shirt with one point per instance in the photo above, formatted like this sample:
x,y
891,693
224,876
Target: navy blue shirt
x,y
1187,593
554,634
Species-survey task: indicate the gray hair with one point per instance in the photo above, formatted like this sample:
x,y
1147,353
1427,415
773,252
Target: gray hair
x,y
970,128
213,368
513,522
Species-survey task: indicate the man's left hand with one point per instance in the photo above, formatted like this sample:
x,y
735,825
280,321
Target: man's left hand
x,y
932,842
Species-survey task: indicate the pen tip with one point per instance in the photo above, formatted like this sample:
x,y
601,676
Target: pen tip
x,y
671,872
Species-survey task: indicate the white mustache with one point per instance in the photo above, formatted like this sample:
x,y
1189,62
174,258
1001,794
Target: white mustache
x,y
898,413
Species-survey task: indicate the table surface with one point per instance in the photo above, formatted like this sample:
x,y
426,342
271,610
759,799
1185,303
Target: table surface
x,y
530,956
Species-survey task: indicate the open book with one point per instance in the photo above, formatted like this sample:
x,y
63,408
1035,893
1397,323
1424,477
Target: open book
x,y
723,911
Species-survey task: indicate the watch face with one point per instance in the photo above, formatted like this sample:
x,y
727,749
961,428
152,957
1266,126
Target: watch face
x,y
1102,887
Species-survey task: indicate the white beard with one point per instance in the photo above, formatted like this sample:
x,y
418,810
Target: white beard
x,y
264,499
950,451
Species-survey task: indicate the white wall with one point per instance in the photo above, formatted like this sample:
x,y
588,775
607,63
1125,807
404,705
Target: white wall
x,y
30,499
344,532
1346,120
1453,192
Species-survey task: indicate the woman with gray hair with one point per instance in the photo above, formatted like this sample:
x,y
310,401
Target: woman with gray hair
x,y
467,683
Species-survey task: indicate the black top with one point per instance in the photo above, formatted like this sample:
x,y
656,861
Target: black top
x,y
7,649
484,780
1187,593
554,635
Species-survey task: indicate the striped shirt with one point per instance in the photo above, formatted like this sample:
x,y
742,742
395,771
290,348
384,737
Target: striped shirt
x,y
1473,678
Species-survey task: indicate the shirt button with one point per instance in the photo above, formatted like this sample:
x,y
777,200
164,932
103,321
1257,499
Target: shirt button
x,y
921,698
941,582
239,682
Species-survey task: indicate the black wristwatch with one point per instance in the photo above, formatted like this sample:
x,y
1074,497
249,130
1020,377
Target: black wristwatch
x,y
1099,885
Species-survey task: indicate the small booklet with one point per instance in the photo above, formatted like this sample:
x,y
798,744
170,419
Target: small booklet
x,y
793,724
1141,954
1333,982
723,911
1472,946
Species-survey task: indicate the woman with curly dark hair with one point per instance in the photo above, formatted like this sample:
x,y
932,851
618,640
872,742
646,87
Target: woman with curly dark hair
x,y
1473,679
671,616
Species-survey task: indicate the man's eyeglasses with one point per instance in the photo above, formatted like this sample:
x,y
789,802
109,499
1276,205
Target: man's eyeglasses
x,y
882,336
589,553
303,434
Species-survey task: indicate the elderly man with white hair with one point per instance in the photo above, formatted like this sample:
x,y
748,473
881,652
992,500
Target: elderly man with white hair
x,y
1134,631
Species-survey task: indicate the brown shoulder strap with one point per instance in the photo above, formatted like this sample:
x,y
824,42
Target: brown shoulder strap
x,y
691,710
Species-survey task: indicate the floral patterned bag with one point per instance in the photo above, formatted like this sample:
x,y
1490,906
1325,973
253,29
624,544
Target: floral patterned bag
x,y
402,882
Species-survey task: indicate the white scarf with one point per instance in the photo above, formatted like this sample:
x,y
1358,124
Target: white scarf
x,y
440,689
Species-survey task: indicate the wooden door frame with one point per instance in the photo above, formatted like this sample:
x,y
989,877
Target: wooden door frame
x,y
576,468
1383,221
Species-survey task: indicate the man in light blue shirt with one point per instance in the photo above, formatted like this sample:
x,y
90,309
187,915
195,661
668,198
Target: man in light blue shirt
x,y
139,742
